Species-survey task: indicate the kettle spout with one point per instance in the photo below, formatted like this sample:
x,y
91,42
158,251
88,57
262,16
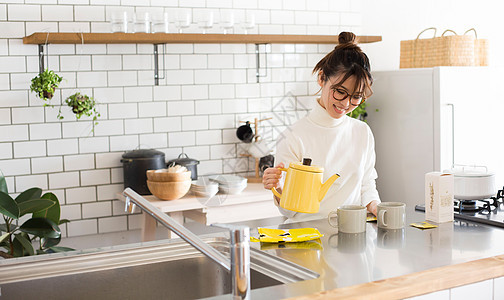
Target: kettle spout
x,y
326,185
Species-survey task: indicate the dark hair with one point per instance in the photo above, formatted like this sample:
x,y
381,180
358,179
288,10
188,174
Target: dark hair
x,y
347,58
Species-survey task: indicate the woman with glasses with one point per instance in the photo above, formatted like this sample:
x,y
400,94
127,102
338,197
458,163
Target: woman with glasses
x,y
330,138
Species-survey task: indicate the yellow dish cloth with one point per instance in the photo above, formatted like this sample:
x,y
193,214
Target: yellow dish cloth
x,y
268,235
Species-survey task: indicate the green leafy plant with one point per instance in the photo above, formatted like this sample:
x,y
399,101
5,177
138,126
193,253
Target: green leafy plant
x,y
81,105
42,227
44,84
359,112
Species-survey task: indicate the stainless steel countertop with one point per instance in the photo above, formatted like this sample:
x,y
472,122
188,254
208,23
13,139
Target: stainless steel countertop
x,y
342,260
351,259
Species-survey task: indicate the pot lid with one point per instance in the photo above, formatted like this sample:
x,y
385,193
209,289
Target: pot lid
x,y
143,153
306,168
470,173
184,160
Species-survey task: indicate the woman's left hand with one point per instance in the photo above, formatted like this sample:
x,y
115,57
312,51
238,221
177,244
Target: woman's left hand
x,y
372,206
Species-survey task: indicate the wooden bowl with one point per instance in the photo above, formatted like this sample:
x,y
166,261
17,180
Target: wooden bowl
x,y
169,190
162,175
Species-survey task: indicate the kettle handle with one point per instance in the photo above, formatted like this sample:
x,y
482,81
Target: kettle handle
x,y
276,193
273,189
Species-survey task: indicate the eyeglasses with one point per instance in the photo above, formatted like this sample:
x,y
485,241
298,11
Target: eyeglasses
x,y
340,95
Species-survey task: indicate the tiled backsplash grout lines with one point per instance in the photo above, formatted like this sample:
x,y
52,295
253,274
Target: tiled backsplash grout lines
x,y
208,89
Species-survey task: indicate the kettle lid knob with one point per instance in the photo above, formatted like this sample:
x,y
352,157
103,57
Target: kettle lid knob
x,y
307,161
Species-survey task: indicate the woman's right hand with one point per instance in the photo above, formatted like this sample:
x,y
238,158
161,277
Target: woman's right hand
x,y
271,178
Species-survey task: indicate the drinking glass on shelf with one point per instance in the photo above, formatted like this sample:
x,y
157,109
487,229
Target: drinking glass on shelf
x,y
160,23
142,22
248,23
182,19
227,20
119,21
205,20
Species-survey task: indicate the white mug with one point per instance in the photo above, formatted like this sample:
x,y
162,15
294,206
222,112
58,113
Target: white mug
x,y
349,218
391,215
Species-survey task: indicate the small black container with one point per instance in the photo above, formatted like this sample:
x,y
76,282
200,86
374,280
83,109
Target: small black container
x,y
135,165
191,164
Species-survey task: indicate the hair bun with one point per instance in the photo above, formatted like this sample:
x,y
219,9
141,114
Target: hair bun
x,y
346,38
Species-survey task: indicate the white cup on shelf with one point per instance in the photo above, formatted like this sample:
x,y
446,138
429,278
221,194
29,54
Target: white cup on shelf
x,y
183,18
142,22
160,23
248,23
119,21
205,20
227,20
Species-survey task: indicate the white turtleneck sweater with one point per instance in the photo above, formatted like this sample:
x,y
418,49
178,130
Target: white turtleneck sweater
x,y
344,146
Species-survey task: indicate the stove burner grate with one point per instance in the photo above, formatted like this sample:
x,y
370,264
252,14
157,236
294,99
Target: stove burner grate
x,y
471,206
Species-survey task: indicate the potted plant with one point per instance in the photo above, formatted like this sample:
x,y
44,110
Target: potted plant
x,y
42,227
44,84
359,112
81,105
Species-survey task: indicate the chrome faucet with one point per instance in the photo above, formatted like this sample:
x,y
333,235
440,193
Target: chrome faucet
x,y
239,243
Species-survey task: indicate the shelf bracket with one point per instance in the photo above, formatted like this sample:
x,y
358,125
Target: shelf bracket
x,y
258,61
41,58
156,64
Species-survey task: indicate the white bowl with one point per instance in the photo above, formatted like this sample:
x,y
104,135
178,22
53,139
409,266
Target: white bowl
x,y
229,180
204,185
205,194
232,190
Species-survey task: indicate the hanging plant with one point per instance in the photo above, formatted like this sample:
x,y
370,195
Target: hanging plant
x,y
81,105
44,84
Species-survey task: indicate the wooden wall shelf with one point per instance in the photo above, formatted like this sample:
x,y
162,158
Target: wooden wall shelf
x,y
42,38
181,38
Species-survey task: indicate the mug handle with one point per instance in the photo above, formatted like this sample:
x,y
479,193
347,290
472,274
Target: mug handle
x,y
333,214
381,216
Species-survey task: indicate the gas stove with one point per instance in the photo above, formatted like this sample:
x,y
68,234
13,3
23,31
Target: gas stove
x,y
487,211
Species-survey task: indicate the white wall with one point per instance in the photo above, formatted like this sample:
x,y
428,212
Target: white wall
x,y
397,20
209,88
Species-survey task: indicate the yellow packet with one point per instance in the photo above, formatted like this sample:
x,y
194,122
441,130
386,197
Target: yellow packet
x,y
423,225
371,218
269,235
310,245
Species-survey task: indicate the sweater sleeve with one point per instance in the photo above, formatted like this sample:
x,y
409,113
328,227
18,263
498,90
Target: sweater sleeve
x,y
288,149
368,190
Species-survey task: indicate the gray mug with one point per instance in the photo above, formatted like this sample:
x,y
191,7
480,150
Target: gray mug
x,y
391,215
349,218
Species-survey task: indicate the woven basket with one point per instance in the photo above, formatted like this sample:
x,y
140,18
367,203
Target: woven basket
x,y
480,50
454,50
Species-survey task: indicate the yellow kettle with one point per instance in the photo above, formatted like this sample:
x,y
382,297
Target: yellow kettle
x,y
303,189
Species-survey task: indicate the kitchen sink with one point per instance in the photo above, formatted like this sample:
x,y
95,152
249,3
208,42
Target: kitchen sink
x,y
172,270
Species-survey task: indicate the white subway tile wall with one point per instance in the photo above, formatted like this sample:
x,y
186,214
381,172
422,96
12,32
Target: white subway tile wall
x,y
206,90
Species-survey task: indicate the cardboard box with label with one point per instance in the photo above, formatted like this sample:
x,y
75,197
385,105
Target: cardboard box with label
x,y
439,197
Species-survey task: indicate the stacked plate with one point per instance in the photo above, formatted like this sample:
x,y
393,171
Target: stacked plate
x,y
230,184
203,187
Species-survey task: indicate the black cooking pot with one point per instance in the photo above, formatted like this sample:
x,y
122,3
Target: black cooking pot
x,y
135,165
190,164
